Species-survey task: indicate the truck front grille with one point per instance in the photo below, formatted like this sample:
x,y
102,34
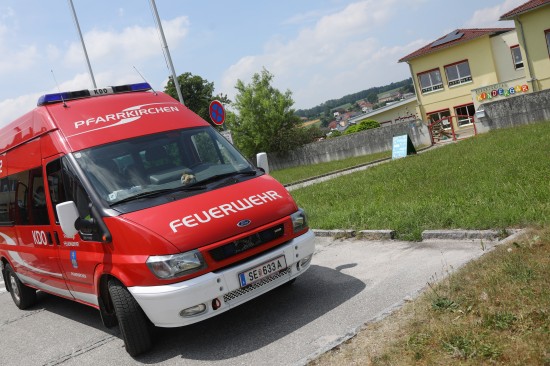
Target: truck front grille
x,y
244,244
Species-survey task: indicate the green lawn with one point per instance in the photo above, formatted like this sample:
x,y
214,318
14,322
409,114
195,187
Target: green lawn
x,y
291,175
499,179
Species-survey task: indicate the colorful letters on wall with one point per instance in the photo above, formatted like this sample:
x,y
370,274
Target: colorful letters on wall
x,y
502,92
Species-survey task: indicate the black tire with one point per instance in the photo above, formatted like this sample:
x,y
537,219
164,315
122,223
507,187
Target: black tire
x,y
108,316
132,321
23,296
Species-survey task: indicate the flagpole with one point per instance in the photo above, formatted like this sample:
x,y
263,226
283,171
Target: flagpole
x,y
167,52
83,45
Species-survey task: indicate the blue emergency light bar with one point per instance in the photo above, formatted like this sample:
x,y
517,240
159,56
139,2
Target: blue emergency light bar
x,y
86,93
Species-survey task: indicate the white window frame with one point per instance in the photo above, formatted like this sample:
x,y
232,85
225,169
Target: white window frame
x,y
446,124
461,121
433,86
461,79
517,65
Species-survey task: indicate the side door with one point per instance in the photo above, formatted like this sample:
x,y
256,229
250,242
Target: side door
x,y
35,256
78,256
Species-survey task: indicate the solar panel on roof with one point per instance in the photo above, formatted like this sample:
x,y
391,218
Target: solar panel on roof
x,y
453,36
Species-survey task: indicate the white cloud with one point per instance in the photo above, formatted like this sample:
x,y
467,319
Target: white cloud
x,y
10,109
489,17
129,46
15,57
113,54
327,60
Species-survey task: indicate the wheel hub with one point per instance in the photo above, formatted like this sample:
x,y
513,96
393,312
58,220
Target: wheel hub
x,y
14,287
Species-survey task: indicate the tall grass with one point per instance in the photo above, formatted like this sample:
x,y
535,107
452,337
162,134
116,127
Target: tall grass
x,y
295,174
496,180
494,311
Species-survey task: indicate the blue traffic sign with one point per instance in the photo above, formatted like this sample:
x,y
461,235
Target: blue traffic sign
x,y
217,112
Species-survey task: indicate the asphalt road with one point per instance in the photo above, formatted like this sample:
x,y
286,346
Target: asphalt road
x,y
350,282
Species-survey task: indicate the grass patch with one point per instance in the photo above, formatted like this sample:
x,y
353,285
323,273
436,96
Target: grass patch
x,y
291,175
493,311
495,180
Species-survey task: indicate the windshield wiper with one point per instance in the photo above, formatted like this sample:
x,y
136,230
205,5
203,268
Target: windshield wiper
x,y
218,177
157,193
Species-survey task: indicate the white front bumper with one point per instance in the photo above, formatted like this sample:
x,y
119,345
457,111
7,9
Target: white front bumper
x,y
162,304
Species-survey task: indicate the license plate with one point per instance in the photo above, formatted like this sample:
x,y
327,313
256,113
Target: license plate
x,y
262,271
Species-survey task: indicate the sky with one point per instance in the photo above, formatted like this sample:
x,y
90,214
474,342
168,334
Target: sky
x,y
317,49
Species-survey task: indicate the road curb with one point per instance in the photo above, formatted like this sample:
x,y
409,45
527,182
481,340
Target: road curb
x,y
455,234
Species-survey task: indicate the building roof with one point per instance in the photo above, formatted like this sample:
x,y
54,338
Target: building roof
x,y
452,39
528,6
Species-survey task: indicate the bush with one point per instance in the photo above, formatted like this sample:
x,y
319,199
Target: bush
x,y
365,124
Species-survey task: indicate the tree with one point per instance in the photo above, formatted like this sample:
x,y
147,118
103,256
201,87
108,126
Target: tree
x,y
265,121
197,93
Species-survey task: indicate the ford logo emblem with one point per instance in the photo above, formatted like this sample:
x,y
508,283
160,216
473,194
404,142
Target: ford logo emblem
x,y
243,223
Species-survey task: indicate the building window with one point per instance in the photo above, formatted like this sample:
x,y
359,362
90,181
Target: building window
x,y
465,114
458,73
430,81
443,116
547,34
516,57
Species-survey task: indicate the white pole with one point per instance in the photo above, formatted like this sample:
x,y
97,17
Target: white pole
x,y
167,52
83,45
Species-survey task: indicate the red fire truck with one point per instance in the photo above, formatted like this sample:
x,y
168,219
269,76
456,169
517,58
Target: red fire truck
x,y
123,199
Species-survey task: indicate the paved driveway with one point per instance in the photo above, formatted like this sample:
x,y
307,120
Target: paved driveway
x,y
350,282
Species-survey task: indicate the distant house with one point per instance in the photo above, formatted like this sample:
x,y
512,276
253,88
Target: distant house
x,y
390,95
400,111
365,105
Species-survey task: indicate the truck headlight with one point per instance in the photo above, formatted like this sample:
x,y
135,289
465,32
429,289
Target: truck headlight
x,y
176,265
299,221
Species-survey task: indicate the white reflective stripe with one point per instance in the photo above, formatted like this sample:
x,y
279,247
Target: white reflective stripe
x,y
9,240
43,286
89,298
17,258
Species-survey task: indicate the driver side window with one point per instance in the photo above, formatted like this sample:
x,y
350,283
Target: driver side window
x,y
65,186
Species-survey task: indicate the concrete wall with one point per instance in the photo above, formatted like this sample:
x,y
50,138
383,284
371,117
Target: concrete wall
x,y
356,144
519,110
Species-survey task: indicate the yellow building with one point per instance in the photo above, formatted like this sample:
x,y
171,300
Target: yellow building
x,y
454,75
446,71
532,21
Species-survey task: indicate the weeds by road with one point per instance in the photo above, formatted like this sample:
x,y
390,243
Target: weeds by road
x,y
494,311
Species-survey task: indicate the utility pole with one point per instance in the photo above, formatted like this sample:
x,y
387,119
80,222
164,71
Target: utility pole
x,y
82,41
166,51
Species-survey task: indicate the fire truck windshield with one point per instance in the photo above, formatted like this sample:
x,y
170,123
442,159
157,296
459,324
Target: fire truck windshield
x,y
153,165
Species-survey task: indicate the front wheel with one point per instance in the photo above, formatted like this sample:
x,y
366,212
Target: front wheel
x,y
131,319
23,296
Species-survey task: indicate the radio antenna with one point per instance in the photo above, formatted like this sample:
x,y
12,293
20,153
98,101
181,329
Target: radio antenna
x,y
166,51
59,90
154,91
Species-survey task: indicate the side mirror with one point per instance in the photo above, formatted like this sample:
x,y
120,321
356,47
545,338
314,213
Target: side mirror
x,y
262,163
68,215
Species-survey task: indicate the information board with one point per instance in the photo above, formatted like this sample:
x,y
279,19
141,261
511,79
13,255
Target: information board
x,y
402,146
